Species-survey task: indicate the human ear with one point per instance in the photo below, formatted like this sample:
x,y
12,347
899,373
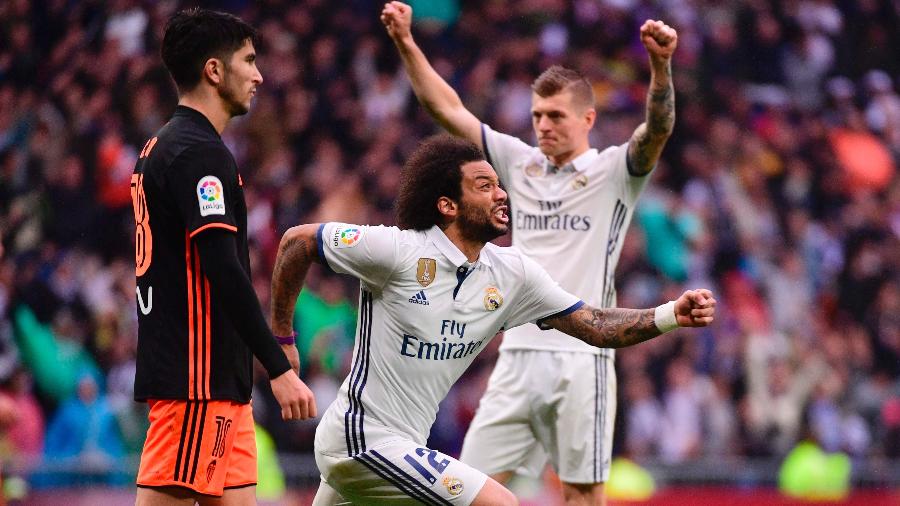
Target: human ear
x,y
590,116
213,70
447,206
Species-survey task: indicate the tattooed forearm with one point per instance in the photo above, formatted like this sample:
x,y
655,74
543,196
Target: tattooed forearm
x,y
608,328
649,138
296,253
661,103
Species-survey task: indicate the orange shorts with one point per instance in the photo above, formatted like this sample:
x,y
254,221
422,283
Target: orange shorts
x,y
206,446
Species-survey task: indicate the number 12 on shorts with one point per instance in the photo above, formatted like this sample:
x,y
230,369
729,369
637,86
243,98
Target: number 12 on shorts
x,y
432,461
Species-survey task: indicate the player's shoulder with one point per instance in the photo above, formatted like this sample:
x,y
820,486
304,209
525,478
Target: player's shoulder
x,y
506,142
349,234
184,136
186,130
409,236
411,243
609,158
508,260
207,150
169,152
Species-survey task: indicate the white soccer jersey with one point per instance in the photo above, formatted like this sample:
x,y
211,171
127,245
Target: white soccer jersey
x,y
571,221
424,313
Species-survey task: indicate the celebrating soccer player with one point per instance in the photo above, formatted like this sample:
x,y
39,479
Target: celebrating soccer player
x,y
571,208
433,292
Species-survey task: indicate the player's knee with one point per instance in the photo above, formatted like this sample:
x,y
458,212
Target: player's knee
x,y
495,494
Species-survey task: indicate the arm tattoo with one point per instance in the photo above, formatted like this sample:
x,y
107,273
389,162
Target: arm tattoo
x,y
649,138
294,258
608,328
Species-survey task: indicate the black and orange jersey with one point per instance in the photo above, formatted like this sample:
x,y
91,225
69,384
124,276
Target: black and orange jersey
x,y
186,181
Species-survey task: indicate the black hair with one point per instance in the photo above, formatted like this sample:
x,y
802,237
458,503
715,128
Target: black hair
x,y
195,35
431,172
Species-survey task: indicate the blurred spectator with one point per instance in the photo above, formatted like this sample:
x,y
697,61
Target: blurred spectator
x,y
22,441
643,426
779,386
671,228
55,356
126,25
789,293
890,416
779,189
83,441
683,399
883,109
325,322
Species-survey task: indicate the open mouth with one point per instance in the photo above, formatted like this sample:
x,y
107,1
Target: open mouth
x,y
501,214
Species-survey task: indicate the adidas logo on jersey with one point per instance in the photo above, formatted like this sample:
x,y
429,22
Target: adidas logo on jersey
x,y
419,298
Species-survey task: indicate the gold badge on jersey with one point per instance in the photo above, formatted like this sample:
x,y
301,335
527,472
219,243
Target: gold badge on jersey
x,y
454,485
534,169
426,271
492,298
580,182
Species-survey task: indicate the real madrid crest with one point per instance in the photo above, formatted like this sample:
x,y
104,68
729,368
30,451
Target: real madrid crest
x,y
492,298
426,271
454,485
579,182
534,169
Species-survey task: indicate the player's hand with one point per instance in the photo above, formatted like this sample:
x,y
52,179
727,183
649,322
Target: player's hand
x,y
659,38
695,308
294,397
397,19
293,356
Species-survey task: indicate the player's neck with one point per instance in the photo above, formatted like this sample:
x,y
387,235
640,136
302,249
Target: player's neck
x,y
209,104
470,248
564,158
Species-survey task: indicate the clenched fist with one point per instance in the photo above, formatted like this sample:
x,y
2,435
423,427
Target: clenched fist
x,y
397,19
659,38
695,308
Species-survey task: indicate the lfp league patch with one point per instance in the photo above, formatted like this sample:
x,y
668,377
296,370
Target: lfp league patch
x,y
210,196
346,236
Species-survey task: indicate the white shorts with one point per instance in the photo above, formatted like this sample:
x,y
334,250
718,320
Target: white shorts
x,y
399,471
542,405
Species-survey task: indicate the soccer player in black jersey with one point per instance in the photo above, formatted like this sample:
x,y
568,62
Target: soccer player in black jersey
x,y
200,323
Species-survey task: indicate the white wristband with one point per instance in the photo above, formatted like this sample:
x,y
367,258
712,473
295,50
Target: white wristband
x,y
664,317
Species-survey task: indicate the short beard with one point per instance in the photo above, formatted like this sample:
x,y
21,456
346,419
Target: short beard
x,y
477,226
234,106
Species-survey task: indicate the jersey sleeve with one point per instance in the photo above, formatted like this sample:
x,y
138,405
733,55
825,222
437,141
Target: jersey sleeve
x,y
204,183
630,187
502,151
368,253
542,297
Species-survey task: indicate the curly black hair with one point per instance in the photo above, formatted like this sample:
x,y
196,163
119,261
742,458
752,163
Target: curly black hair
x,y
431,172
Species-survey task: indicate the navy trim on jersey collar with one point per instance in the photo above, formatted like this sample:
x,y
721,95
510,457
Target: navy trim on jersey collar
x,y
449,250
581,162
197,116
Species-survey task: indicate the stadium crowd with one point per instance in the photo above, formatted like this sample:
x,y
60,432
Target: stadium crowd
x,y
778,189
